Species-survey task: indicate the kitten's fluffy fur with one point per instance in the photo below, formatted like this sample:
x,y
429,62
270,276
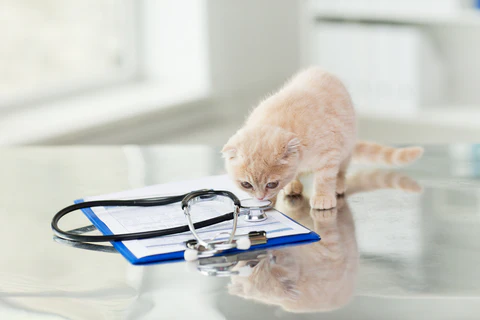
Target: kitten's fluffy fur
x,y
309,125
319,276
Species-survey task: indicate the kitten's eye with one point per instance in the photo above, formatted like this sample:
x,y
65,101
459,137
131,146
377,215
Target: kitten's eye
x,y
272,185
246,185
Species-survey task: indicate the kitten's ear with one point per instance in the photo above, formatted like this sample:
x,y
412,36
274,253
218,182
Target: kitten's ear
x,y
229,151
291,148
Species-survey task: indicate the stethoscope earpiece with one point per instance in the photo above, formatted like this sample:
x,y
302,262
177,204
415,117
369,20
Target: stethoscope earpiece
x,y
190,254
196,251
243,243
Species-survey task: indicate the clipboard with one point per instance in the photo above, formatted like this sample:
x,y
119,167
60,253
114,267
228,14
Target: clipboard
x,y
127,248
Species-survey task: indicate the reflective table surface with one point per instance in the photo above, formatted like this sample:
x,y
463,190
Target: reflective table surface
x,y
404,243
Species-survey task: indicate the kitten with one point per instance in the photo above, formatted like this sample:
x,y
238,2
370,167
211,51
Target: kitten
x,y
320,276
307,126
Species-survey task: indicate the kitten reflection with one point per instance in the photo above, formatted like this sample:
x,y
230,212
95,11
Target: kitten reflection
x,y
316,277
320,276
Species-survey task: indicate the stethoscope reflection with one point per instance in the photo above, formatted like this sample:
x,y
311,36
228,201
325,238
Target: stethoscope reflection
x,y
311,278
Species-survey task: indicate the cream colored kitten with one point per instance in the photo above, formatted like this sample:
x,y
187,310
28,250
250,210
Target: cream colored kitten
x,y
308,125
320,276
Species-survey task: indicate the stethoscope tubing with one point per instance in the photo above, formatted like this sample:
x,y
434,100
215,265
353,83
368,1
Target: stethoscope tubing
x,y
147,202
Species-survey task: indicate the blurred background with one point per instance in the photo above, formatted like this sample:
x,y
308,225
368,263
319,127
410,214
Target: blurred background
x,y
166,71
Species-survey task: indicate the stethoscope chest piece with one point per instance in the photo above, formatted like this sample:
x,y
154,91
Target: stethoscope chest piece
x,y
255,215
254,210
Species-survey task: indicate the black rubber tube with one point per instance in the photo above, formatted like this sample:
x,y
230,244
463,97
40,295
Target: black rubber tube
x,y
150,202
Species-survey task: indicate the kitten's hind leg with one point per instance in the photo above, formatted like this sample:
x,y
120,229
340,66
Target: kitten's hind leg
x,y
341,185
325,183
295,187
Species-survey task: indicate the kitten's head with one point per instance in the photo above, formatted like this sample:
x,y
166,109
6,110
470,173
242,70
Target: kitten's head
x,y
262,160
274,279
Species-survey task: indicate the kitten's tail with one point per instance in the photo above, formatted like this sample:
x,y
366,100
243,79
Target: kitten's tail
x,y
376,153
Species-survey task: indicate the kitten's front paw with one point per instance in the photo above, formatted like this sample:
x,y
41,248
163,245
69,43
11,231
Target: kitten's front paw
x,y
323,202
295,187
324,215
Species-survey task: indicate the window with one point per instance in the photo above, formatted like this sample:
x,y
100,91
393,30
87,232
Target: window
x,y
55,47
69,68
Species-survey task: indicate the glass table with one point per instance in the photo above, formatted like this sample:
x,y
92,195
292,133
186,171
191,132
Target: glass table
x,y
404,243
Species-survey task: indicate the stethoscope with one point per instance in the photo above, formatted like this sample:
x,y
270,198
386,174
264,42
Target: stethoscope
x,y
228,265
252,210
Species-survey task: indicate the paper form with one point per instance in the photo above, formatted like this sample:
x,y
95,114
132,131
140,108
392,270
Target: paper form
x,y
137,219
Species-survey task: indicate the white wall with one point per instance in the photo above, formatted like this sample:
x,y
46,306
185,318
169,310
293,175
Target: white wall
x,y
253,47
239,50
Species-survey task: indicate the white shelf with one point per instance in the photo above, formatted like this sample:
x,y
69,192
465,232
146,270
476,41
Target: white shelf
x,y
82,113
442,116
466,17
423,127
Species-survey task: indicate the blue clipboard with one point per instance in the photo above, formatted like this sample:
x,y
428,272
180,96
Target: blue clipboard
x,y
178,256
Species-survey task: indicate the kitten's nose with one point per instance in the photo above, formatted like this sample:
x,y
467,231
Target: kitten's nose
x,y
260,197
